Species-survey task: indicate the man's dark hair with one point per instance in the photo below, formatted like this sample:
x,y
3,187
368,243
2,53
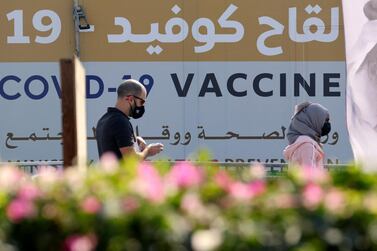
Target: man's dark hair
x,y
129,87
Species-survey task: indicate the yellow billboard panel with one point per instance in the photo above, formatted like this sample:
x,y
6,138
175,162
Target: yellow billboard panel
x,y
198,30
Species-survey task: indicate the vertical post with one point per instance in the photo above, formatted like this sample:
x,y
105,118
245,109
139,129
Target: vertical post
x,y
74,113
76,21
80,23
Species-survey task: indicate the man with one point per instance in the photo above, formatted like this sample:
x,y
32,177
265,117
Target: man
x,y
114,132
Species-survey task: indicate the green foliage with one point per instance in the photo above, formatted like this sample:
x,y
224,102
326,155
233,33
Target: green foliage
x,y
202,206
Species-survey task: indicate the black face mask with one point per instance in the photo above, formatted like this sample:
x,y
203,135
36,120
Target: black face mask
x,y
137,112
326,128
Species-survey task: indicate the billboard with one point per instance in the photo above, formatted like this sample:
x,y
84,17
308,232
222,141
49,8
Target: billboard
x,y
224,76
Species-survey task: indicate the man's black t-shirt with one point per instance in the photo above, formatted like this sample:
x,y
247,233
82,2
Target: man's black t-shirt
x,y
113,131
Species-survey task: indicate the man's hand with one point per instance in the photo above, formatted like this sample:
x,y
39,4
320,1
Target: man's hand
x,y
155,148
141,142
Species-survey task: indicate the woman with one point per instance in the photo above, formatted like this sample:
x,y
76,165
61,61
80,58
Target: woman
x,y
309,122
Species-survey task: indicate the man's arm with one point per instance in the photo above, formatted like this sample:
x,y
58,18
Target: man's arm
x,y
149,150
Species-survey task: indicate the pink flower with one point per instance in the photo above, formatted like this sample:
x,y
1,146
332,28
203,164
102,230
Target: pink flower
x,y
257,171
130,204
335,201
90,205
149,183
20,209
284,201
109,162
312,195
80,243
9,178
223,180
28,192
191,204
185,175
313,174
48,176
244,191
257,187
240,191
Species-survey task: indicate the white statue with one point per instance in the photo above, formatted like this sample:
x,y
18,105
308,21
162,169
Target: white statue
x,y
362,84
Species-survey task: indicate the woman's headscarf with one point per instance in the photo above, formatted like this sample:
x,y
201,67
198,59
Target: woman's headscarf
x,y
308,120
